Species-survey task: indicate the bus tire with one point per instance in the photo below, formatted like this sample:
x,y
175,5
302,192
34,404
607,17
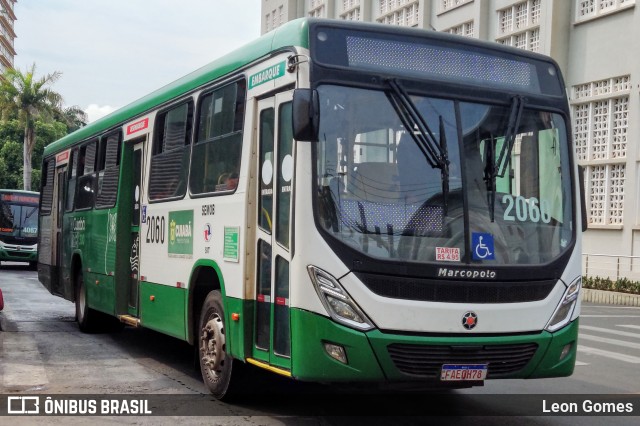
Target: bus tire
x,y
85,316
220,373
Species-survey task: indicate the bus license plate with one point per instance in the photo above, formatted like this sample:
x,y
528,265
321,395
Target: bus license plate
x,y
457,372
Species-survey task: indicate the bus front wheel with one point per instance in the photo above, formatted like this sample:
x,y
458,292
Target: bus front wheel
x,y
219,372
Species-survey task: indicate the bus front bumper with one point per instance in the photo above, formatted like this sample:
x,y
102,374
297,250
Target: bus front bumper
x,y
377,356
18,253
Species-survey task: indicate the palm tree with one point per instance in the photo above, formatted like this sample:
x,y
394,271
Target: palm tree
x,y
74,117
29,98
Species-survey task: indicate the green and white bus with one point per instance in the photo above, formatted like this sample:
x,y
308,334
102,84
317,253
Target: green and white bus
x,y
334,202
19,226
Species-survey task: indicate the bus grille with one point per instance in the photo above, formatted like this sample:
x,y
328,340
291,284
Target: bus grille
x,y
20,254
457,291
426,361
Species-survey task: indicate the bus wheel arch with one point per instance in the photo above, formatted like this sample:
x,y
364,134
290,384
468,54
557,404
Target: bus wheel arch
x,y
205,278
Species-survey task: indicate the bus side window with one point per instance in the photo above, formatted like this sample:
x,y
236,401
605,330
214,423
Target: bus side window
x,y
170,153
73,178
86,169
46,190
108,170
215,163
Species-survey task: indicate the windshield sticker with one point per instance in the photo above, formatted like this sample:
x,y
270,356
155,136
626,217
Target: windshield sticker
x,y
231,251
448,254
287,168
267,172
482,246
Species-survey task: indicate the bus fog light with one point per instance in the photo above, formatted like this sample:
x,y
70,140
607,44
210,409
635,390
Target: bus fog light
x,y
565,351
336,352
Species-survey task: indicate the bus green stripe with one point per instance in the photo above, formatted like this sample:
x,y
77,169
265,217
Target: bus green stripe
x,y
162,308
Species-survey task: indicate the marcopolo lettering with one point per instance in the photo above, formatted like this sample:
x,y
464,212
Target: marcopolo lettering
x,y
466,273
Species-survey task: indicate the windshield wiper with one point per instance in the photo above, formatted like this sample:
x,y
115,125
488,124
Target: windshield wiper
x,y
497,167
510,137
434,151
444,169
28,215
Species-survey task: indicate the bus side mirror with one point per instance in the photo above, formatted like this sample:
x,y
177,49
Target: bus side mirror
x,y
306,115
583,199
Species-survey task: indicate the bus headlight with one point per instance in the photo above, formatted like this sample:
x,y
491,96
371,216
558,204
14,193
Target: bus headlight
x,y
337,301
563,312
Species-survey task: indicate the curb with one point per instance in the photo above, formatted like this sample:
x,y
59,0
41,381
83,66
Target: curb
x,y
610,297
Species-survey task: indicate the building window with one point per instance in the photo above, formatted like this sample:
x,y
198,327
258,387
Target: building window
x,y
591,9
535,12
466,29
317,9
350,10
447,5
601,121
519,25
399,12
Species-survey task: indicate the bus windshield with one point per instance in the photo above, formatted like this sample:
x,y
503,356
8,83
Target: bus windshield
x,y
18,220
426,179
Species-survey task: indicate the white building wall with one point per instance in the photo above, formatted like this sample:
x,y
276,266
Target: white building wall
x,y
595,43
602,45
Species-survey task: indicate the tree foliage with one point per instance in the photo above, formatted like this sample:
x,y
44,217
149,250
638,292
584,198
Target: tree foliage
x,y
33,116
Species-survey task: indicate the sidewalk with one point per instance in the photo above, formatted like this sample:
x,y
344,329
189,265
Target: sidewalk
x,y
610,297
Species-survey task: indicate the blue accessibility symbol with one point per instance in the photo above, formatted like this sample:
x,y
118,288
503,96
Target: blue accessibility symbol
x,y
482,246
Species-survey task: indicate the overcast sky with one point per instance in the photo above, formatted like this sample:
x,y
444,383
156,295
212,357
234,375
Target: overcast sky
x,y
112,52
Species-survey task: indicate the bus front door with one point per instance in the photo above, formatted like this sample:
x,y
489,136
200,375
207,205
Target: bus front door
x,y
272,336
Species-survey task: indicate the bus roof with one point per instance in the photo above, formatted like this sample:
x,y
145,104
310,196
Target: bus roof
x,y
293,33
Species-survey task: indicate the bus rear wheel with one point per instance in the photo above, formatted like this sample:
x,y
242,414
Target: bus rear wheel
x,y
219,372
85,316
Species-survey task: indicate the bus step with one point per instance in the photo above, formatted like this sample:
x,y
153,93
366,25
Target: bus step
x,y
129,320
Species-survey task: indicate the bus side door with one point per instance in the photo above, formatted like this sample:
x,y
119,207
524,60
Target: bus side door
x,y
58,211
135,203
272,336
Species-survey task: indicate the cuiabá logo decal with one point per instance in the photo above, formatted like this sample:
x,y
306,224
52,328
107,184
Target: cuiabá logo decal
x,y
181,233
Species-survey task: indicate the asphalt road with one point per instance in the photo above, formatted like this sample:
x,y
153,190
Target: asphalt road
x,y
43,352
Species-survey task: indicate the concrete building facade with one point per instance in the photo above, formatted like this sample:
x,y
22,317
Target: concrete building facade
x,y
595,42
7,34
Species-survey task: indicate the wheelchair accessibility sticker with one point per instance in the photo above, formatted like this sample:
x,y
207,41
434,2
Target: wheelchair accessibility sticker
x,y
482,246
